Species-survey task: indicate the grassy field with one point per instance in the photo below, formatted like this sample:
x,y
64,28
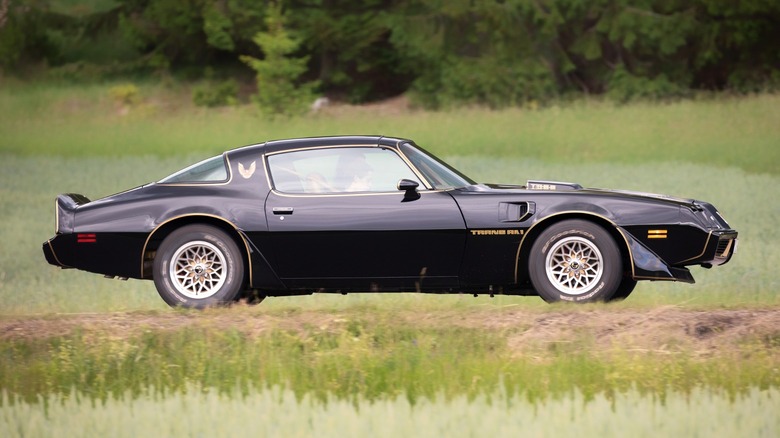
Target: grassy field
x,y
376,352
88,121
275,412
69,337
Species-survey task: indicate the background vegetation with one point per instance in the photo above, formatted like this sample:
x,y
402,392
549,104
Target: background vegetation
x,y
665,96
496,53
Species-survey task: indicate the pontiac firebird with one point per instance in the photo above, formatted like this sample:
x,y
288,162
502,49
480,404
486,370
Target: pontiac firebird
x,y
379,214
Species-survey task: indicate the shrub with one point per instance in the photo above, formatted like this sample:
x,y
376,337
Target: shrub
x,y
125,94
624,87
212,94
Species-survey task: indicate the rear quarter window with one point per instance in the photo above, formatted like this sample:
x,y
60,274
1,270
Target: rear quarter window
x,y
211,170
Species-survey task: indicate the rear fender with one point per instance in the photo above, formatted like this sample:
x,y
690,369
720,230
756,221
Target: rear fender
x,y
261,274
65,207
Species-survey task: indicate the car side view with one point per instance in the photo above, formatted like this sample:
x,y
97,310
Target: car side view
x,y
379,214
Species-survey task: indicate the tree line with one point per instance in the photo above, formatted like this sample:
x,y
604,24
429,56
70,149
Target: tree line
x,y
443,52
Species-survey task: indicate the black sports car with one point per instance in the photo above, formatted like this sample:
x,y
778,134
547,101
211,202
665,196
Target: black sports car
x,y
376,214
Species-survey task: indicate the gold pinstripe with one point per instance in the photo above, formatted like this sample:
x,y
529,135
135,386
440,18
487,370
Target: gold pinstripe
x,y
246,245
527,232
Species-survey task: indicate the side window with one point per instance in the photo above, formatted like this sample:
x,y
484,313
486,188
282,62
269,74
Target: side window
x,y
338,170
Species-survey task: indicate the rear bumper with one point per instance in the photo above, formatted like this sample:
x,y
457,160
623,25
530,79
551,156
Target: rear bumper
x,y
51,255
115,254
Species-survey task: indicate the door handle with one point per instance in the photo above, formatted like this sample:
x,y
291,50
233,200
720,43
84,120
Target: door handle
x,y
283,210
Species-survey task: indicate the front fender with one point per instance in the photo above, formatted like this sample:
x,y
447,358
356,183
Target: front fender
x,y
646,265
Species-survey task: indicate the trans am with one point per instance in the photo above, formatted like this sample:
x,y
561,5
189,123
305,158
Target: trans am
x,y
379,214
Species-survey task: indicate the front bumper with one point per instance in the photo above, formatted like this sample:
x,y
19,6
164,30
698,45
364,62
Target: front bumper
x,y
725,247
717,248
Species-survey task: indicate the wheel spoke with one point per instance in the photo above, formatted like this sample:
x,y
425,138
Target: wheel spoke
x,y
574,265
198,269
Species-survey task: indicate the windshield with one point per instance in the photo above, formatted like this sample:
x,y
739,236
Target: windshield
x,y
209,170
436,171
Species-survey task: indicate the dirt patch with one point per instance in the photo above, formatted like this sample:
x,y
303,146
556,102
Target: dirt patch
x,y
660,330
665,330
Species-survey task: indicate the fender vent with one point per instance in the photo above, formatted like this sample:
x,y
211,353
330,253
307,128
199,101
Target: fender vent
x,y
515,211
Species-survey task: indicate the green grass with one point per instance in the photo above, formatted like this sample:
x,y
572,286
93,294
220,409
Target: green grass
x,y
373,370
371,355
85,121
275,412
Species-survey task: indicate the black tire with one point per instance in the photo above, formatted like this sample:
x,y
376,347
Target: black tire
x,y
624,289
210,268
251,297
577,261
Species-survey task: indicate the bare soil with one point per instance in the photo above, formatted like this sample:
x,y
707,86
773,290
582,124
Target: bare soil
x,y
664,330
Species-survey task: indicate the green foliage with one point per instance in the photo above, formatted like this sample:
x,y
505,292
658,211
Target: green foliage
x,y
213,94
630,50
125,94
350,48
24,37
191,32
498,54
473,53
624,87
279,91
217,27
464,81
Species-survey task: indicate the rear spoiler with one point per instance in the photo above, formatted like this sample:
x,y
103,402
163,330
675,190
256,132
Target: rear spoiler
x,y
66,205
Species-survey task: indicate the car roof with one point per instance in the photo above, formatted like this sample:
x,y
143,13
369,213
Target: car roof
x,y
307,142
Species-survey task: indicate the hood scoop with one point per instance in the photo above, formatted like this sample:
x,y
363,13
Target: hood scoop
x,y
551,185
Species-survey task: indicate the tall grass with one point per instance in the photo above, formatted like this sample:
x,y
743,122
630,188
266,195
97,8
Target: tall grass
x,y
276,412
85,121
370,357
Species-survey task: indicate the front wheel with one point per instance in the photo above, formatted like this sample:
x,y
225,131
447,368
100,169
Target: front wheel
x,y
575,260
198,266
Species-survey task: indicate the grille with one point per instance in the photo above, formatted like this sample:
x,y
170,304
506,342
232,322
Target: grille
x,y
724,245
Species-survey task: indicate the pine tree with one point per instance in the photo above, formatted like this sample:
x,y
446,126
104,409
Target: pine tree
x,y
279,92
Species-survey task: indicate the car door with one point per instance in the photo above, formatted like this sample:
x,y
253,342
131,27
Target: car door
x,y
338,221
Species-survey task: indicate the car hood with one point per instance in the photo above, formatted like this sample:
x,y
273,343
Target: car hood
x,y
573,188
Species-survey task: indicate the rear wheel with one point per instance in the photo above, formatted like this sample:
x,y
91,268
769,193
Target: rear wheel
x,y
575,260
198,266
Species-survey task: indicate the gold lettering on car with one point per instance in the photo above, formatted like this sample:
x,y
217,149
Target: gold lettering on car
x,y
504,232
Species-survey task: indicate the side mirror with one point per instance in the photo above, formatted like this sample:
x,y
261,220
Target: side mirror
x,y
410,187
